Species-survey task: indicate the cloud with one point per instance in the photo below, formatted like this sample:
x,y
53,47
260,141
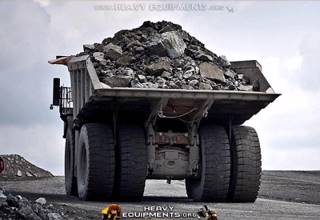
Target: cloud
x,y
24,78
309,74
43,3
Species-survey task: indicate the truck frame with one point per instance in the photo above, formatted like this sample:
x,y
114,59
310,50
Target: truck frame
x,y
116,138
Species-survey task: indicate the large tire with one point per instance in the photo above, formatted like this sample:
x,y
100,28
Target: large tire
x,y
132,166
69,159
246,165
213,184
95,162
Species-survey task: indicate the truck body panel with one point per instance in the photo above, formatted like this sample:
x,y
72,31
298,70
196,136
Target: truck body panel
x,y
88,92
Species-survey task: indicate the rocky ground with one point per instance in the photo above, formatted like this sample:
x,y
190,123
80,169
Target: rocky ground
x,y
162,55
18,207
283,195
18,168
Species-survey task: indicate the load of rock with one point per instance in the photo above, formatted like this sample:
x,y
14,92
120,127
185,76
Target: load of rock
x,y
162,55
16,167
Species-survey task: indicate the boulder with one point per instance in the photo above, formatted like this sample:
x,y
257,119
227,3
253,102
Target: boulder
x,y
117,81
211,71
173,44
124,60
245,87
112,51
41,201
159,67
19,173
205,86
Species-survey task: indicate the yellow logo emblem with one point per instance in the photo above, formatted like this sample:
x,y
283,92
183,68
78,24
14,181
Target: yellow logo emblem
x,y
112,212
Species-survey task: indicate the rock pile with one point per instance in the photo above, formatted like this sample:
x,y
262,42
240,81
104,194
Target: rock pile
x,y
16,167
18,207
162,55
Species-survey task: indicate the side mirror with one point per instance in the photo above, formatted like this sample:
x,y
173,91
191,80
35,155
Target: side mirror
x,y
1,165
56,93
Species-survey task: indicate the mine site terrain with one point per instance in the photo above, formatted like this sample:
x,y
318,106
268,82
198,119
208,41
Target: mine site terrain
x,y
283,195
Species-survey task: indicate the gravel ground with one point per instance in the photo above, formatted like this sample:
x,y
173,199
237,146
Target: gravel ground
x,y
283,195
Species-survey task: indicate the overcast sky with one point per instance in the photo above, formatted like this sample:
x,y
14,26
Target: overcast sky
x,y
283,36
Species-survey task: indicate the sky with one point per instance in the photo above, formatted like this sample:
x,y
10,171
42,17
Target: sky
x,y
284,36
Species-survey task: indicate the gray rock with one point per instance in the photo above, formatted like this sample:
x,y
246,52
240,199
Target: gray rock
x,y
117,81
134,44
3,198
41,201
230,73
158,67
29,174
2,195
42,212
125,71
172,85
12,201
167,44
245,87
161,82
187,87
54,216
193,82
124,60
107,40
204,57
211,71
19,173
190,52
156,47
88,47
205,86
173,44
240,76
136,84
231,87
225,62
166,74
139,49
167,29
112,51
187,74
150,85
26,212
99,56
142,78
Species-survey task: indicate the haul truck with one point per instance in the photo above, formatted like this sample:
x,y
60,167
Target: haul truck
x,y
116,138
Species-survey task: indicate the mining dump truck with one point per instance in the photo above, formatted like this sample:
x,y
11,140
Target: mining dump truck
x,y
116,138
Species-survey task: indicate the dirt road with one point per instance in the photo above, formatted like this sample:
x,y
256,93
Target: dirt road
x,y
283,195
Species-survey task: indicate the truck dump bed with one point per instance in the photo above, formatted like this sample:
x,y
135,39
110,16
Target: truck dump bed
x,y
219,105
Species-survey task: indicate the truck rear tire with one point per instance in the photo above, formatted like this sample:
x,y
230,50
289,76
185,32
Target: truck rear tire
x,y
213,183
132,167
70,179
246,165
95,162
